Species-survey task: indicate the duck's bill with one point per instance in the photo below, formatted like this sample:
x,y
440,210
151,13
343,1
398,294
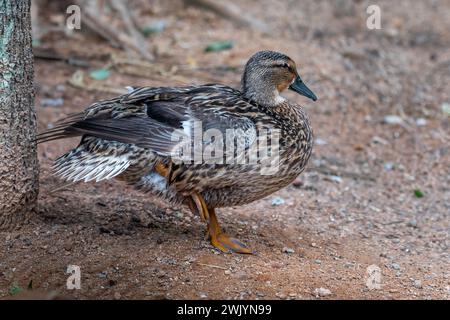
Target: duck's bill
x,y
299,87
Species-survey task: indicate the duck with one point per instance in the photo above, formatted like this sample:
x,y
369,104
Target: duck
x,y
200,146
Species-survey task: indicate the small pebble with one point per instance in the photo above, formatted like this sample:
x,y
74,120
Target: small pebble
x,y
297,183
412,224
379,140
280,295
417,284
392,119
320,142
321,292
336,179
288,250
277,201
420,122
446,108
49,102
388,166
395,266
117,296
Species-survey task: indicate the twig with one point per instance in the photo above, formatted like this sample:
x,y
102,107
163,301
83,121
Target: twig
x,y
342,173
46,54
98,24
230,11
139,40
60,187
212,266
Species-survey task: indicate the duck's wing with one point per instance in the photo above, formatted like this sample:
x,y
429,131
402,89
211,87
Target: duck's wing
x,y
159,118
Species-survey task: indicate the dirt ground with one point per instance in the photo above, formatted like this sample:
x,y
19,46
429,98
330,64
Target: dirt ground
x,y
376,191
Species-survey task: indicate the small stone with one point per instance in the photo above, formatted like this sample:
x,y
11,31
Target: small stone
x,y
421,122
52,102
203,295
412,224
395,266
276,265
277,201
322,292
446,108
320,142
280,295
388,166
117,296
417,284
379,140
392,119
227,272
297,183
318,261
288,250
336,179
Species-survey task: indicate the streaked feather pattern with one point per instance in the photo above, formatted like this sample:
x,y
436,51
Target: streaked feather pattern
x,y
127,136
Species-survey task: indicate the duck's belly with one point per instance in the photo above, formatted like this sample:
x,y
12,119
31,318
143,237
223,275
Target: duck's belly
x,y
230,185
255,188
241,187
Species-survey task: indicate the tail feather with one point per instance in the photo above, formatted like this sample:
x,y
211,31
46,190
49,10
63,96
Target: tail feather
x,y
81,165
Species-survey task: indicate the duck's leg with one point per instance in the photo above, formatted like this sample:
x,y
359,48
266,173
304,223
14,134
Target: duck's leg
x,y
202,208
218,239
222,241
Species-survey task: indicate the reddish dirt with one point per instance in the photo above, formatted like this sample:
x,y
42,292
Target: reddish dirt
x,y
354,206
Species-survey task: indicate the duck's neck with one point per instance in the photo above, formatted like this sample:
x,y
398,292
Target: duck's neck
x,y
261,92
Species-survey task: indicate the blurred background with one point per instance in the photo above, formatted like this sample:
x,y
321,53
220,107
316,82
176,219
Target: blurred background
x,y
376,191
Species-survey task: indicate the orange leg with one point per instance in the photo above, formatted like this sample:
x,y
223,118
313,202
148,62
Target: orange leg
x,y
201,206
218,239
222,241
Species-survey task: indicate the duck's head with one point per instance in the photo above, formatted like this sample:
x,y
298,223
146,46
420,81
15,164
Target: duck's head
x,y
267,74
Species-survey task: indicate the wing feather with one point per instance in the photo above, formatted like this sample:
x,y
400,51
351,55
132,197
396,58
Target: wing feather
x,y
150,118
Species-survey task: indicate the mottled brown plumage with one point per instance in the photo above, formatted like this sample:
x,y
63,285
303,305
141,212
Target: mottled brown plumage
x,y
131,138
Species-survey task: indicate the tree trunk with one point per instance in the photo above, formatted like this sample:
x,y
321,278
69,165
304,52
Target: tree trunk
x,y
18,159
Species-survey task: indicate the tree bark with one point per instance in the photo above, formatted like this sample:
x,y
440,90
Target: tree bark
x,y
18,159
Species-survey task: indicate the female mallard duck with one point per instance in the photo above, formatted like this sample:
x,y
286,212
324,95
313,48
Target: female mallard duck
x,y
131,138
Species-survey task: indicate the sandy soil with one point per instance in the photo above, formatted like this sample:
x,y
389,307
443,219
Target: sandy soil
x,y
354,207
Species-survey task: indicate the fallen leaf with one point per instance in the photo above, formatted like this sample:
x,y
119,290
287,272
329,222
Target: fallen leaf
x,y
219,46
99,74
418,193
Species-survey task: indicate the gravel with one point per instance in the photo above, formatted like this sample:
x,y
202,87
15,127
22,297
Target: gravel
x,y
322,292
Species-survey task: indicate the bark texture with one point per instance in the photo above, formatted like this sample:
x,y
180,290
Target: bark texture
x,y
18,159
